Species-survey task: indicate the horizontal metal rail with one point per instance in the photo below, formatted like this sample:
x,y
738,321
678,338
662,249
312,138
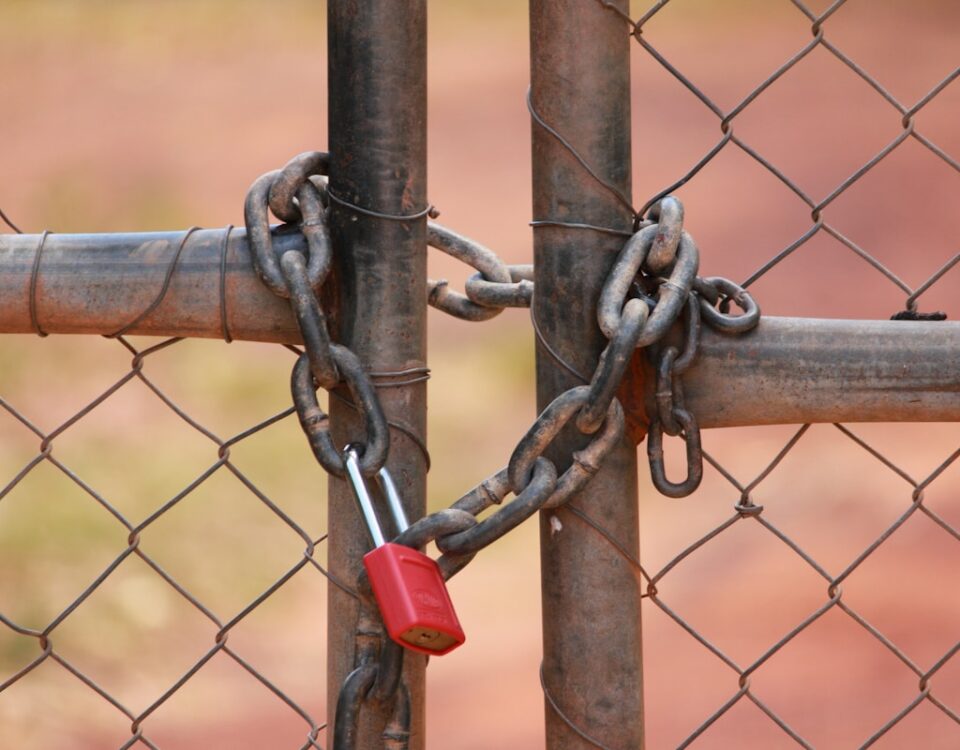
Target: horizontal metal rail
x,y
793,370
788,370
100,283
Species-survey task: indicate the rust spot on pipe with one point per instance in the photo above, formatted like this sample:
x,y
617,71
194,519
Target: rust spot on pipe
x,y
632,395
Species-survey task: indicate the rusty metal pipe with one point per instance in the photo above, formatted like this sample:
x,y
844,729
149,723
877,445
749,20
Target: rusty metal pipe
x,y
377,115
580,76
795,370
788,370
97,283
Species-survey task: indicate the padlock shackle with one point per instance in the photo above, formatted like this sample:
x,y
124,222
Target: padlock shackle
x,y
351,460
385,480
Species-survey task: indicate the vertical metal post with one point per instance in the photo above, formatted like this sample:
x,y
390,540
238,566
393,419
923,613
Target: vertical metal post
x,y
580,87
377,96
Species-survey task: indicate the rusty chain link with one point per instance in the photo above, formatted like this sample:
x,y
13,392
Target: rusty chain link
x,y
494,286
639,306
652,284
298,194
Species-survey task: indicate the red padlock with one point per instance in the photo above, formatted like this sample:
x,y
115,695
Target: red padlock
x,y
407,584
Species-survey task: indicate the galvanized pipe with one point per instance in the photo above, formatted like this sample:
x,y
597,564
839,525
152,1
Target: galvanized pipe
x,y
580,76
97,283
377,115
794,370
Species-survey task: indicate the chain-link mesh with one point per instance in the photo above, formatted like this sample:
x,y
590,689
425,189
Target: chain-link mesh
x,y
179,570
705,599
717,600
905,114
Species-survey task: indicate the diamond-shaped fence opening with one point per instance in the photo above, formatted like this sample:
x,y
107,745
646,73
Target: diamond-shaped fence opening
x,y
167,564
905,119
58,538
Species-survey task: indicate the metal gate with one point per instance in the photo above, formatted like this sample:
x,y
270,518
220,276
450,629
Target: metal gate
x,y
806,606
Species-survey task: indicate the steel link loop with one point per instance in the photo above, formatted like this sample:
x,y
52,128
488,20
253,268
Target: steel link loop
x,y
377,678
518,293
543,482
620,280
672,291
310,319
668,216
389,667
587,461
396,735
494,286
719,319
261,243
286,187
672,364
691,437
490,267
370,645
352,694
668,391
543,432
613,365
442,523
316,424
692,325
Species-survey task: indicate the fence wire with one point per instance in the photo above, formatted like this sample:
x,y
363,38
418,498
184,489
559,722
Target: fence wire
x,y
747,509
46,638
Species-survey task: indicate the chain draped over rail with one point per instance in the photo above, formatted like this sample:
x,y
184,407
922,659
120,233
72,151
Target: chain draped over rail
x,y
652,286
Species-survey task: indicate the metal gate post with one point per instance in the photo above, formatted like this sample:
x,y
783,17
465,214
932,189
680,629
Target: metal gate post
x,y
580,76
377,96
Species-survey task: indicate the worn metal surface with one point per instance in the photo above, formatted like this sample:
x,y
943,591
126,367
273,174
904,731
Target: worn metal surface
x,y
794,370
591,594
377,111
98,283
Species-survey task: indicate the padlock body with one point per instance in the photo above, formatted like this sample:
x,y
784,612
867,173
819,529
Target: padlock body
x,y
413,599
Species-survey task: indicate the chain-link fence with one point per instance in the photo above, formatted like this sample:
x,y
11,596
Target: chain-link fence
x,y
818,624
815,612
145,532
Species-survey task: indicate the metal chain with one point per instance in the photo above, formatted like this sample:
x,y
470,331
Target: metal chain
x,y
298,195
651,286
637,309
655,249
494,286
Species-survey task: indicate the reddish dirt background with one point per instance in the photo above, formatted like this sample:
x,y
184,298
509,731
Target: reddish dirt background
x,y
153,116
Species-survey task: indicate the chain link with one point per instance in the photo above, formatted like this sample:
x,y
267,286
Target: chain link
x,y
494,286
652,285
298,193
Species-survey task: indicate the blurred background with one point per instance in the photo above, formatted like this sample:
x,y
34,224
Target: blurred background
x,y
146,115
